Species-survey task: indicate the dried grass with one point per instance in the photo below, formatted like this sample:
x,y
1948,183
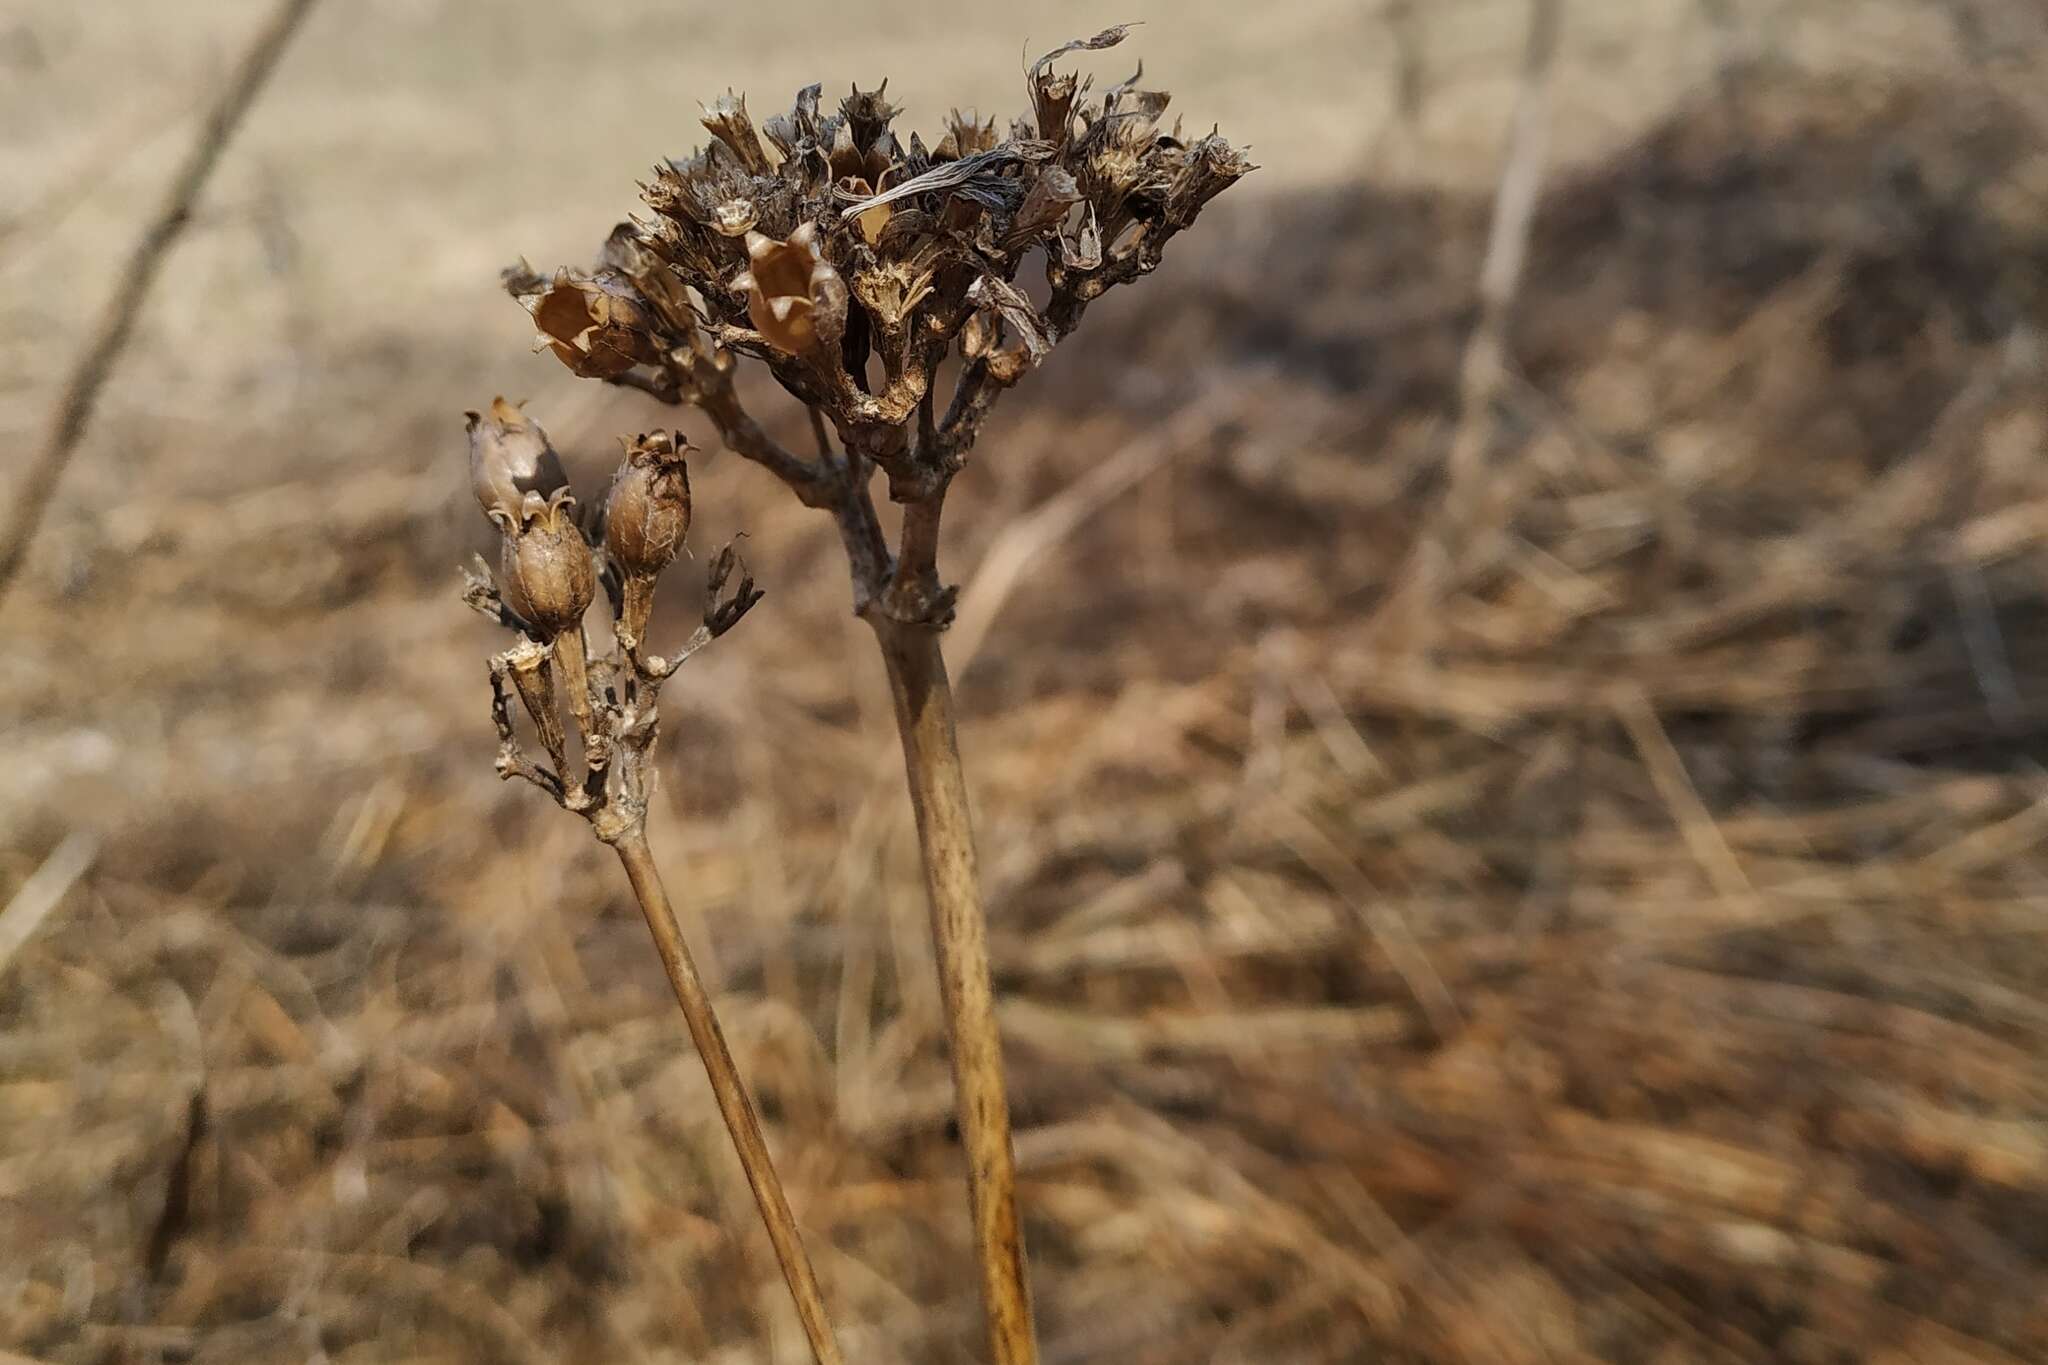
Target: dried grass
x,y
1649,971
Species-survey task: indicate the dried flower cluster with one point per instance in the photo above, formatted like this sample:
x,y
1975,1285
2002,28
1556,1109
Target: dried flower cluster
x,y
549,573
548,576
853,263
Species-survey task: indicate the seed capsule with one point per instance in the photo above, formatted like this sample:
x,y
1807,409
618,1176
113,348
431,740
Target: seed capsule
x,y
545,568
509,457
794,296
647,513
596,324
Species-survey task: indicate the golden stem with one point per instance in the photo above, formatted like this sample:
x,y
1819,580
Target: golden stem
x,y
938,794
733,1103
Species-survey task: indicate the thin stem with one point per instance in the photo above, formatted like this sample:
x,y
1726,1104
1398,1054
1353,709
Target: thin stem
x,y
914,590
818,431
860,531
938,793
733,1103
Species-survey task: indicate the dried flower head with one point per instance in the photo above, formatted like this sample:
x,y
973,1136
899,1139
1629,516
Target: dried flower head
x,y
794,297
509,457
545,568
821,240
597,324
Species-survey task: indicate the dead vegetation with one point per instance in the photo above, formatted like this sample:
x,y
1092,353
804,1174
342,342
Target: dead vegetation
x,y
1648,968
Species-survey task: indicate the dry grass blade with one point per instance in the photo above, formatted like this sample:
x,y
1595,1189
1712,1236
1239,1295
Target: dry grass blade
x,y
43,892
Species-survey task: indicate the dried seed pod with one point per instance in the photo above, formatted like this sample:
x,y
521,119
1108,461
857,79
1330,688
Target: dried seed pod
x,y
868,113
966,134
647,517
795,298
545,568
509,457
729,123
598,325
647,513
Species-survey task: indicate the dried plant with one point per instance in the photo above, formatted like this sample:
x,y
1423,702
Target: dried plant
x,y
853,265
547,578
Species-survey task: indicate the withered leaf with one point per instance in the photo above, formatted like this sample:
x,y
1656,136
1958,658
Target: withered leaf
x,y
1109,37
1018,315
970,175
722,610
1082,248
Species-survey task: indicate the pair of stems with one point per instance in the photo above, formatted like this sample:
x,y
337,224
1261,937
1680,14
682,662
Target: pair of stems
x,y
923,698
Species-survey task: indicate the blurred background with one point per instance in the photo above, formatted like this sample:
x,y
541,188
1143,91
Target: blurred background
x,y
1589,909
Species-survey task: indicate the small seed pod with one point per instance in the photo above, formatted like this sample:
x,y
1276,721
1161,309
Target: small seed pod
x,y
545,568
647,513
509,457
646,518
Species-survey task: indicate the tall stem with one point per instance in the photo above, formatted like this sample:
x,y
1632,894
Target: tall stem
x,y
732,1095
938,793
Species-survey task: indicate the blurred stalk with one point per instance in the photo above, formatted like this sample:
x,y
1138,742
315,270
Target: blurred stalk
x,y
35,487
945,834
733,1103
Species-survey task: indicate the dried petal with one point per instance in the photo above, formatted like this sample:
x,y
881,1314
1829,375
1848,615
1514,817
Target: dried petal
x,y
1045,206
630,252
792,131
1081,249
1011,304
723,609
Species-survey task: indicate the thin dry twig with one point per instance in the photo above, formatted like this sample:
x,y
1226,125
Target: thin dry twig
x,y
1483,368
35,488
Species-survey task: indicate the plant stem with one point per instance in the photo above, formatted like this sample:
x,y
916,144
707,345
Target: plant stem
x,y
938,793
733,1103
